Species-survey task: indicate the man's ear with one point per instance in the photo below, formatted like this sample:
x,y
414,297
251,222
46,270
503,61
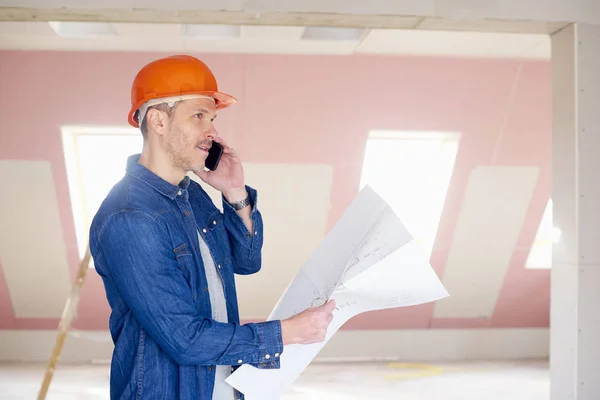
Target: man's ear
x,y
156,120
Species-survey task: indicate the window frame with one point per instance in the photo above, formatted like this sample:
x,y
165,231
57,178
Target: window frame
x,y
74,174
540,240
441,136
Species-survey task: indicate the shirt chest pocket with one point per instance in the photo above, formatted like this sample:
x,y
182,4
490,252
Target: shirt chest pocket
x,y
185,261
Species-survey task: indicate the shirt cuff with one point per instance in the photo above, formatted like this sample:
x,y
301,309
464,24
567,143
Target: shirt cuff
x,y
270,344
251,241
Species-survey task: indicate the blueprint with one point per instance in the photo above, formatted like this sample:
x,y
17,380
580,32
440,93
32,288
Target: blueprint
x,y
368,261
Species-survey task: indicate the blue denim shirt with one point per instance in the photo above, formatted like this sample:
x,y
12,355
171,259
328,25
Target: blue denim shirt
x,y
144,241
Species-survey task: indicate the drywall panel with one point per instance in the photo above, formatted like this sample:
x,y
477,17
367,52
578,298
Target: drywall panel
x,y
489,223
588,325
294,202
438,345
588,141
32,248
576,257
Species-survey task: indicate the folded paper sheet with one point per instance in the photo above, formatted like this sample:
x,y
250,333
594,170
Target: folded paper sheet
x,y
369,261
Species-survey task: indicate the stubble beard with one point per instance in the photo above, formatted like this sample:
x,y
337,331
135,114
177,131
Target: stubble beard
x,y
176,148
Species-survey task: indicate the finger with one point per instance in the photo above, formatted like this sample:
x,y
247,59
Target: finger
x,y
230,150
329,306
232,154
226,148
221,141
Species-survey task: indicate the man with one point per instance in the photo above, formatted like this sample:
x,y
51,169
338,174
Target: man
x,y
167,255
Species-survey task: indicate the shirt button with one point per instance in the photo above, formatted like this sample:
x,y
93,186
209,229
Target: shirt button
x,y
187,213
256,232
276,354
214,222
240,361
219,266
267,356
179,193
204,230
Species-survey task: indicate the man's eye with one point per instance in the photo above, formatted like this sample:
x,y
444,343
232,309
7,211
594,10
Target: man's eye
x,y
199,115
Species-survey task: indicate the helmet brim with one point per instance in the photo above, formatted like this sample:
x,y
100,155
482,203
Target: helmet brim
x,y
223,100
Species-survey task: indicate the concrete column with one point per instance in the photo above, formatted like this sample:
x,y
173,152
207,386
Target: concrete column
x,y
575,304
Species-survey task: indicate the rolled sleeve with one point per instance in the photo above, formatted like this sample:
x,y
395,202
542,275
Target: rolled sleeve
x,y
246,246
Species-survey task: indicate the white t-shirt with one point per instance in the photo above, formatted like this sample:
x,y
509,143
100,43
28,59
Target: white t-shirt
x,y
222,390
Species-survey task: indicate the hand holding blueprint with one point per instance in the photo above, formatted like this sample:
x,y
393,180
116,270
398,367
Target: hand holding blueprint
x,y
369,261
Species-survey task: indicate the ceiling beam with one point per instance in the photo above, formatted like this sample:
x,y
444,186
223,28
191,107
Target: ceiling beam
x,y
274,19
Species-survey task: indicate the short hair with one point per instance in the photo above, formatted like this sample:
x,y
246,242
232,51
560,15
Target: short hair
x,y
162,107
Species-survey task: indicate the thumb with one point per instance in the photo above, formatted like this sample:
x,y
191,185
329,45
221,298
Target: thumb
x,y
329,306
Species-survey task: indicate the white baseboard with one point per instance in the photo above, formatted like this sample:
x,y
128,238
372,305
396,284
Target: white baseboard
x,y
346,345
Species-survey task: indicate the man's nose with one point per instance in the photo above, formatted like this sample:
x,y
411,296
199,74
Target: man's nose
x,y
212,132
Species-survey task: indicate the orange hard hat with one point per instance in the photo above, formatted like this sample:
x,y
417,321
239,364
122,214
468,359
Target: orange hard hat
x,y
172,77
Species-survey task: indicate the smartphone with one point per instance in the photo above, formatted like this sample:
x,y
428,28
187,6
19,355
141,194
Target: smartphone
x,y
214,156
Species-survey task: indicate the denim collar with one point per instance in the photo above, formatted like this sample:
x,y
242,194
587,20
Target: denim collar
x,y
137,170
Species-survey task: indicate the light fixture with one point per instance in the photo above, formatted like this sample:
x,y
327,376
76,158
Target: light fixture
x,y
83,29
206,31
332,33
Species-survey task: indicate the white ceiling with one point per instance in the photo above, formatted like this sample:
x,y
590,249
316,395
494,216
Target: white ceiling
x,y
89,36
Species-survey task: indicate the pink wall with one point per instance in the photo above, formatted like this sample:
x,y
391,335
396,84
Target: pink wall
x,y
307,109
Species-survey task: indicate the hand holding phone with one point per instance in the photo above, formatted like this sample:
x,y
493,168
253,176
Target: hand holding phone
x,y
223,168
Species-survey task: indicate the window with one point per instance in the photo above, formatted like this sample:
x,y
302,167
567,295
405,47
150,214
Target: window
x,y
540,255
95,158
411,171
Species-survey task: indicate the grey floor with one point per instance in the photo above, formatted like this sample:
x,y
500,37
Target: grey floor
x,y
527,380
